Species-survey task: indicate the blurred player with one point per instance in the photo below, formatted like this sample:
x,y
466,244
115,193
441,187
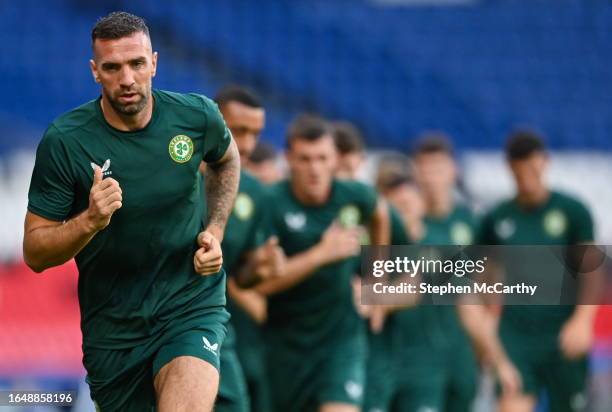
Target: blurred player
x,y
402,192
263,163
316,340
438,370
151,288
247,257
350,146
547,344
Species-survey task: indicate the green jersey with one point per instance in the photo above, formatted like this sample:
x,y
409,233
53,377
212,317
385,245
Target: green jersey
x,y
321,307
245,226
561,220
136,276
439,326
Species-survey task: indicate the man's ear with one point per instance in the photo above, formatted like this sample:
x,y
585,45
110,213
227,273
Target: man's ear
x,y
94,70
154,64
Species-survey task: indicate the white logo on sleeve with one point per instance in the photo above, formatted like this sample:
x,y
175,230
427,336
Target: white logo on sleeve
x,y
105,167
211,347
353,389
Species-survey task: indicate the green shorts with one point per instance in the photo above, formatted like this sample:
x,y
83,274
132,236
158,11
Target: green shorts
x,y
544,368
437,379
122,379
233,395
302,380
381,374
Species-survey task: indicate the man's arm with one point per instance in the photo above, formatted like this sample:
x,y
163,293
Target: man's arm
x,y
48,243
222,178
481,326
380,224
336,244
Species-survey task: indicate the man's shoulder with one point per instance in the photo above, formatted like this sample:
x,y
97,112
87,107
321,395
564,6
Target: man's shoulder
x,y
187,101
567,201
251,185
354,188
502,208
74,119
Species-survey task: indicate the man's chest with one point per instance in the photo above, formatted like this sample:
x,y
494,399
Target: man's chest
x,y
156,168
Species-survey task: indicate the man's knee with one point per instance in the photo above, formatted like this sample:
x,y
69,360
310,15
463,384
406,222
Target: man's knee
x,y
187,383
338,407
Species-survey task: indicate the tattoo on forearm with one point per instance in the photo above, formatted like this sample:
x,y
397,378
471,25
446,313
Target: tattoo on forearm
x,y
221,188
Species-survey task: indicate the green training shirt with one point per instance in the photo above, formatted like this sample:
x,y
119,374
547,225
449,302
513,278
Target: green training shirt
x,y
321,307
561,220
428,326
136,276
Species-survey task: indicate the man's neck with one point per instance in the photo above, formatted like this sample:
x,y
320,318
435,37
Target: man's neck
x,y
535,199
310,200
440,206
127,123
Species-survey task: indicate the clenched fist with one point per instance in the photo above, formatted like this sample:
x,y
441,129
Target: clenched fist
x,y
208,258
340,243
105,197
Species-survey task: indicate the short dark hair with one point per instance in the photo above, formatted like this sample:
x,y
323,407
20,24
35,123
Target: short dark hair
x,y
117,25
263,152
240,94
433,142
307,127
394,181
522,144
348,138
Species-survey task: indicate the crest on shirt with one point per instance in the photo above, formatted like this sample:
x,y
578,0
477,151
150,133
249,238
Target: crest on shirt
x,y
295,221
555,223
243,206
461,233
349,216
180,148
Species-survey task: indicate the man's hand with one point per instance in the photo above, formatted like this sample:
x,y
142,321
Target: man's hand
x,y
208,258
339,243
270,259
576,337
105,197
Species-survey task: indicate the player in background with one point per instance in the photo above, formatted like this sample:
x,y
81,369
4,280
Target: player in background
x,y
315,338
116,186
249,257
264,163
402,192
548,344
437,362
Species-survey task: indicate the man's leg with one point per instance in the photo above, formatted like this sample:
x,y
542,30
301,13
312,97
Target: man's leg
x,y
187,384
338,407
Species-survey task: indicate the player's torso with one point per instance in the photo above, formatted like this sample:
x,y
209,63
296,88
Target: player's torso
x,y
243,221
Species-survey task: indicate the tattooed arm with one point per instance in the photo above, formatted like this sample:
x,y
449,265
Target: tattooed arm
x,y
222,178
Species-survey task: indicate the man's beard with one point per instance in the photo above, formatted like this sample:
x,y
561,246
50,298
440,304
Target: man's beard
x,y
130,109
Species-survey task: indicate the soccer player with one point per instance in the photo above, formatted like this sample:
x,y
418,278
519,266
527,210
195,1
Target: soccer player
x,y
116,186
548,344
247,258
316,341
263,164
350,146
437,362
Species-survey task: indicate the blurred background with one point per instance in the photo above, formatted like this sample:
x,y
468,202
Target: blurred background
x,y
475,69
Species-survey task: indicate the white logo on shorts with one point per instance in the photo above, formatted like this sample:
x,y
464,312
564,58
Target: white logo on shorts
x,y
211,347
353,389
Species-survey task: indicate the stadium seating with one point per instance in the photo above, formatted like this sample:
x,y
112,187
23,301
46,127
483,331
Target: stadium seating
x,y
472,70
